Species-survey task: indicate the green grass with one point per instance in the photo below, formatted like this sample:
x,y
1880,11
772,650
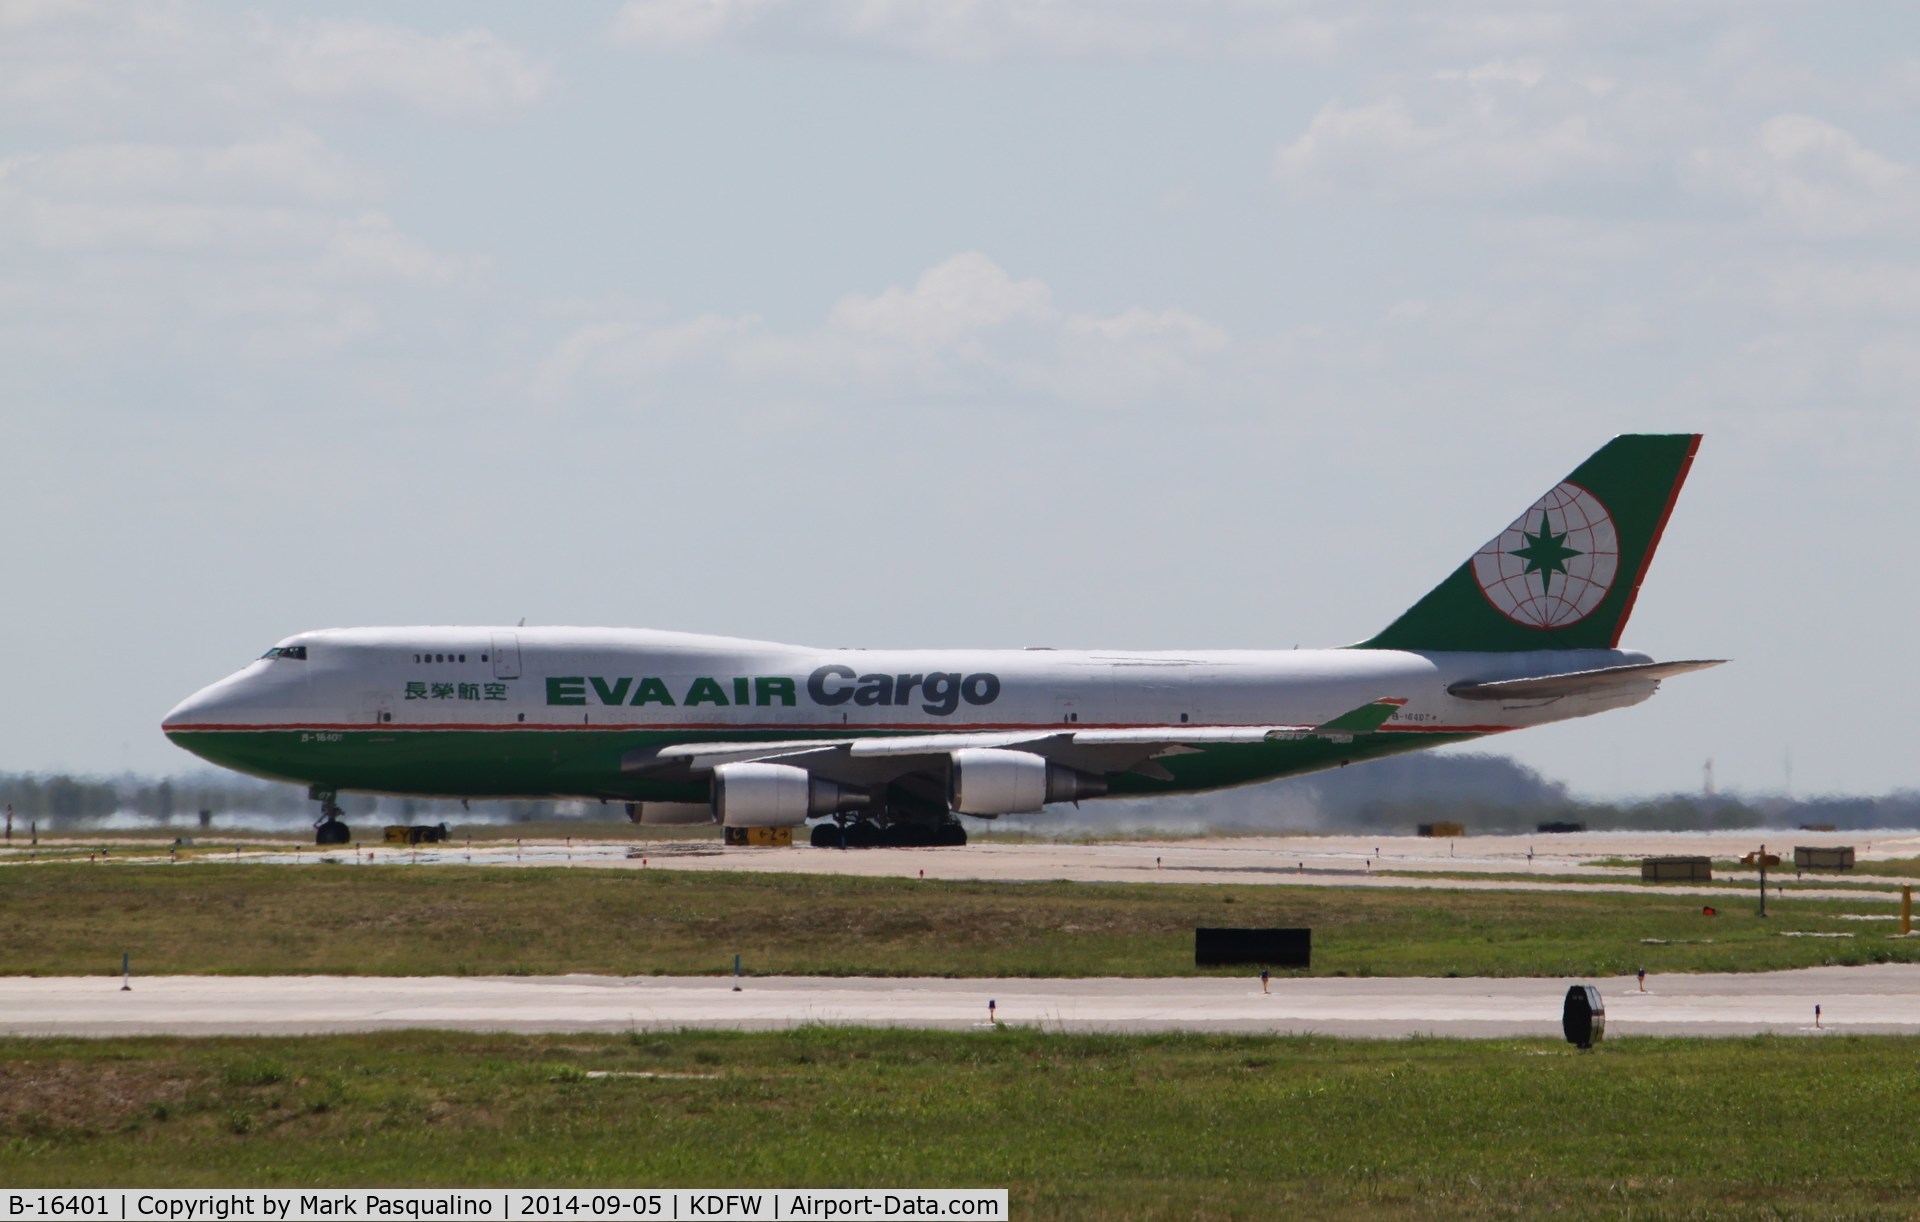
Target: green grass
x,y
1074,1126
396,920
1895,867
1821,880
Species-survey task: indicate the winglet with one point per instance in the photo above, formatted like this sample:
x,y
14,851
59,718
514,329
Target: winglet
x,y
1364,720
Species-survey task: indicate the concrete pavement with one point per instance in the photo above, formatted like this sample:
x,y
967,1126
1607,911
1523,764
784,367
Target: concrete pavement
x,y
1882,998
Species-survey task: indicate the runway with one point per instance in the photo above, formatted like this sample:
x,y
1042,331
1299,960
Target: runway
x,y
1877,999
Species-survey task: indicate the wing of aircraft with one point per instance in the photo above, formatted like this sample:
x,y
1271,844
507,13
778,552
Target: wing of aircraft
x,y
990,772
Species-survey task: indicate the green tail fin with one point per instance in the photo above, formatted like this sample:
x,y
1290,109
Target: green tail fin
x,y
1566,573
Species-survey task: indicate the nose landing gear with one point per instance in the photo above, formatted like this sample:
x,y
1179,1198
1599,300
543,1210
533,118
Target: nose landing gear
x,y
328,829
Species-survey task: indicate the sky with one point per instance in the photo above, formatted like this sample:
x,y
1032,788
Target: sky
x,y
1076,323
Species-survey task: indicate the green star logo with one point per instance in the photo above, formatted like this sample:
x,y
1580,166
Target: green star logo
x,y
1545,553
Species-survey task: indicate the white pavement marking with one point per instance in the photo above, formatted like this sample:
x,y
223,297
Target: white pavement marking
x,y
1880,998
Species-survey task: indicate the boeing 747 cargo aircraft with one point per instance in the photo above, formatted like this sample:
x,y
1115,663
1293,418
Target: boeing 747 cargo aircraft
x,y
892,746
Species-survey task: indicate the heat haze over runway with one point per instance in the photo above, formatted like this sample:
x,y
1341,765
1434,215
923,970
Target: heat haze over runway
x,y
1510,862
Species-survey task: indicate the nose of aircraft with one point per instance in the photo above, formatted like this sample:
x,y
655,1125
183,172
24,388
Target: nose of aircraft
x,y
213,705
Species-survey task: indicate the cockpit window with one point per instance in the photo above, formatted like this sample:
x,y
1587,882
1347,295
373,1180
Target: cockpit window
x,y
297,652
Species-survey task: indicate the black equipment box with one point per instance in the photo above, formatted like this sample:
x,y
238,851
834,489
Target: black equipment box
x,y
1266,947
1583,1020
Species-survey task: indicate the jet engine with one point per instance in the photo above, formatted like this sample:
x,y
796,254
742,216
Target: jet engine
x,y
991,781
669,814
777,795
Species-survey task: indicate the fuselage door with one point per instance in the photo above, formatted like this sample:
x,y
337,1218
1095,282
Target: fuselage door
x,y
506,656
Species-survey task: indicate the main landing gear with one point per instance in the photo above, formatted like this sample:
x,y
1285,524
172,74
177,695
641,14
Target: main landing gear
x,y
328,829
897,834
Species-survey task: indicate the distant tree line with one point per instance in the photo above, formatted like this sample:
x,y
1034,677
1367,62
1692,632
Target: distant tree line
x,y
1486,793
58,797
1493,794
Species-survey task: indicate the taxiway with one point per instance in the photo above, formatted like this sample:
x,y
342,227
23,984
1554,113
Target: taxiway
x,y
1877,999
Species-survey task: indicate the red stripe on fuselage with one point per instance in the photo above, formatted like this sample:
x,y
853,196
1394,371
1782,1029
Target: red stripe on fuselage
x,y
733,727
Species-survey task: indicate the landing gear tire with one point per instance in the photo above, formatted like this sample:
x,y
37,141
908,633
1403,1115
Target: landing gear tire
x,y
900,834
328,829
928,835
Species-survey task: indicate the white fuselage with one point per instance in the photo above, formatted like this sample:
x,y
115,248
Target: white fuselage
x,y
560,678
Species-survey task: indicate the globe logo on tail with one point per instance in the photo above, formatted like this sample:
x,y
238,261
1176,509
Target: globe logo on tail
x,y
1555,564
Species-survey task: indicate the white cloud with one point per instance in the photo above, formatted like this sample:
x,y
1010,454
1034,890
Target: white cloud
x,y
983,29
1260,30
368,246
73,227
1514,330
293,196
205,256
1176,328
25,14
675,25
1813,178
470,72
1477,30
293,166
632,352
81,68
1890,367
950,302
1123,357
1572,249
1802,289
965,326
1502,127
1900,85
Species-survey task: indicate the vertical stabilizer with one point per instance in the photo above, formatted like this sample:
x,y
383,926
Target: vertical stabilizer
x,y
1565,574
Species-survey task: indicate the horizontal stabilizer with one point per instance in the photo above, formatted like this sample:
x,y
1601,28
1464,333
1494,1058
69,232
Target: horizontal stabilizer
x,y
1575,682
